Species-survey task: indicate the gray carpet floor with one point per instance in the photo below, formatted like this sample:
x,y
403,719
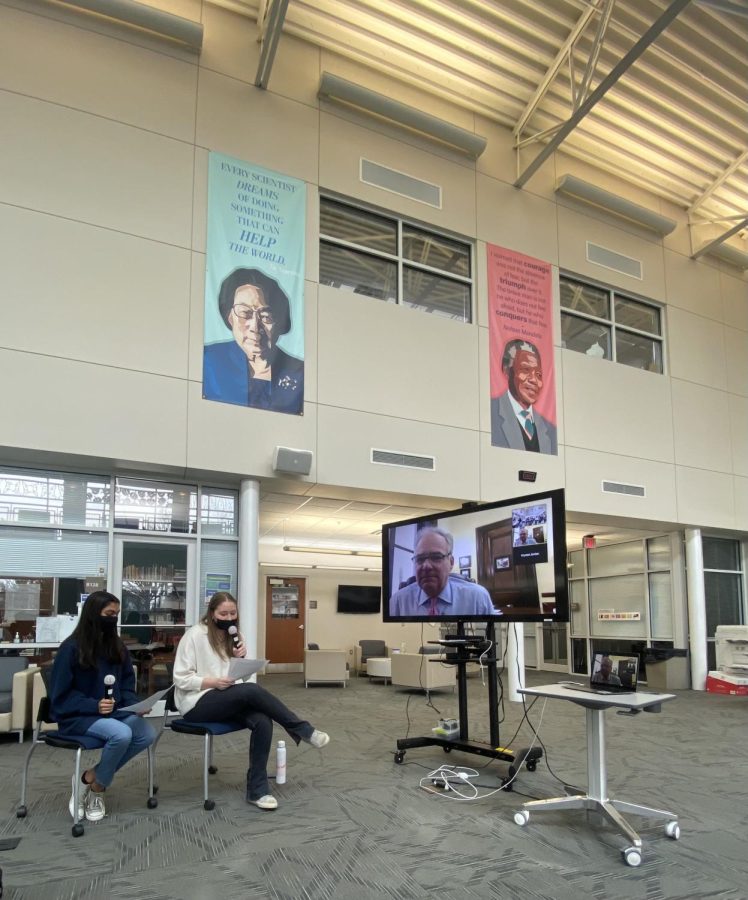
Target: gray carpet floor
x,y
353,824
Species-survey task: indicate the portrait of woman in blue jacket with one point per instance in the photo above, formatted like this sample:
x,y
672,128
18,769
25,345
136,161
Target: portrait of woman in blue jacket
x,y
252,370
83,702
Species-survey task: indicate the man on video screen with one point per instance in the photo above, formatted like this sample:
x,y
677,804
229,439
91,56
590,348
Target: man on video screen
x,y
436,592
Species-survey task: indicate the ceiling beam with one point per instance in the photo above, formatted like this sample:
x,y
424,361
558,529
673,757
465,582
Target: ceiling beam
x,y
644,42
554,69
718,181
272,25
728,6
720,239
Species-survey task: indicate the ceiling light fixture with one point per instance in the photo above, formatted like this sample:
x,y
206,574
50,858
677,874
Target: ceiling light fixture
x,y
140,15
337,89
571,186
727,253
332,550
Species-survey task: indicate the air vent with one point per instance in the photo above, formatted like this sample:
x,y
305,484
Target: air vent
x,y
615,487
400,183
405,460
609,259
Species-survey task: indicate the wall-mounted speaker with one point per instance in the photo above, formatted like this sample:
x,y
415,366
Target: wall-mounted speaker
x,y
292,462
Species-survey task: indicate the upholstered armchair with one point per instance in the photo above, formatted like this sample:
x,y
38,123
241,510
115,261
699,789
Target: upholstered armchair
x,y
325,666
16,679
418,670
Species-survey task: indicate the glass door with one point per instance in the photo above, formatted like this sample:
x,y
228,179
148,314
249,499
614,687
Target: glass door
x,y
155,580
555,657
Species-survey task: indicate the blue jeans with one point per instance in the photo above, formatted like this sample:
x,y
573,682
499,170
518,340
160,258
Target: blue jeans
x,y
124,738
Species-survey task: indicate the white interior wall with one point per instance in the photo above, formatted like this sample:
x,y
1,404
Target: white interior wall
x,y
103,261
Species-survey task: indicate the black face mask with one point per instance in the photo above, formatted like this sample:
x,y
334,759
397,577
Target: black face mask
x,y
224,624
108,624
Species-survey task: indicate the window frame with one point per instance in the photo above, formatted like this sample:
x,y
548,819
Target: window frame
x,y
611,324
401,262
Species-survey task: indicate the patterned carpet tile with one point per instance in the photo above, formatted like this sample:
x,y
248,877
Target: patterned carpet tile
x,y
353,824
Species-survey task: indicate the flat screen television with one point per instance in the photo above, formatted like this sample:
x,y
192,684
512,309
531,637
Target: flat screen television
x,y
507,563
359,598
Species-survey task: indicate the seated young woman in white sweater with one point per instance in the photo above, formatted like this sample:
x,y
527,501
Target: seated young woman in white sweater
x,y
205,693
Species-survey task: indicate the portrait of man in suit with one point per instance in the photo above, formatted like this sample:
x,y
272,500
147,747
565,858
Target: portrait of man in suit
x,y
515,423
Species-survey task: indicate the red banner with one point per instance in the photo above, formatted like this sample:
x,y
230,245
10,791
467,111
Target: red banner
x,y
520,329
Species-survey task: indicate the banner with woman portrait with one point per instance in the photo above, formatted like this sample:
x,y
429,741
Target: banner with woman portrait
x,y
254,287
520,333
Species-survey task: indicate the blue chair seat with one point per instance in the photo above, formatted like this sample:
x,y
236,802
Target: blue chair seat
x,y
184,727
72,741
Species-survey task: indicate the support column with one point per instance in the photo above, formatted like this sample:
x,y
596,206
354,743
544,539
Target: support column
x,y
515,659
248,562
696,608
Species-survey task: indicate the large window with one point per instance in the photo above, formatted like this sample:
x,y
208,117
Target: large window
x,y
387,258
155,506
601,322
30,497
723,583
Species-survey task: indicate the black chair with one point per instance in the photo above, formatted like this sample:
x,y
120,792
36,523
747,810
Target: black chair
x,y
79,743
205,730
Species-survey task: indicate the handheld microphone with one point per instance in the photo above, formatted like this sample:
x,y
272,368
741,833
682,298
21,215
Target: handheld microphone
x,y
109,681
234,632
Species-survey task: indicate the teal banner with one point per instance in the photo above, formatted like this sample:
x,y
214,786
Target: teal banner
x,y
254,287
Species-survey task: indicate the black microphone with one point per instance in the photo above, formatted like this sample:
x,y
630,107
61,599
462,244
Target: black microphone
x,y
109,681
234,632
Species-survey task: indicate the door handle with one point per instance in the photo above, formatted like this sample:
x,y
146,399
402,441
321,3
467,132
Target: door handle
x,y
301,627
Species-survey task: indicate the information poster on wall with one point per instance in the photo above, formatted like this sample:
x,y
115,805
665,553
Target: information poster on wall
x,y
215,583
254,287
520,331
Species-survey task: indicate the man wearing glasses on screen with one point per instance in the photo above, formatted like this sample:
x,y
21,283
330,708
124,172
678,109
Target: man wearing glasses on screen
x,y
436,592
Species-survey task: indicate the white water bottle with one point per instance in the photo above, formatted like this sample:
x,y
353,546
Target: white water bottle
x,y
280,763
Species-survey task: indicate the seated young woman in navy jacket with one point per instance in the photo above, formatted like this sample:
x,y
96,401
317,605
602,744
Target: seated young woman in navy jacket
x,y
78,698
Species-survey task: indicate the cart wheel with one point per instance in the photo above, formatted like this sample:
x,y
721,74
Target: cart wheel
x,y
21,812
209,804
152,803
399,757
672,830
531,765
212,769
632,856
77,830
507,784
522,817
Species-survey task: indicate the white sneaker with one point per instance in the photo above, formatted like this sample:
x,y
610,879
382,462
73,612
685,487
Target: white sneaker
x,y
319,739
266,802
83,790
95,809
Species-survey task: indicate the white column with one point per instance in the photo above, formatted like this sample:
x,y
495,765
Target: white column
x,y
515,659
696,608
248,565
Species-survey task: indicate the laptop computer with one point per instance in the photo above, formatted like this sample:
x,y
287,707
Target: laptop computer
x,y
611,674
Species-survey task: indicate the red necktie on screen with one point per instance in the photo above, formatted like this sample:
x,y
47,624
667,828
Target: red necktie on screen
x,y
433,611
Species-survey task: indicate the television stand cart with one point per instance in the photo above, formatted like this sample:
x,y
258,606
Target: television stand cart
x,y
465,649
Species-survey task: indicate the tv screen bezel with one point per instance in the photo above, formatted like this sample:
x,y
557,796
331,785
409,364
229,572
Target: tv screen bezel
x,y
359,612
556,496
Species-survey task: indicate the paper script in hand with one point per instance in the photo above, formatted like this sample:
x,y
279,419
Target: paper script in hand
x,y
245,668
146,705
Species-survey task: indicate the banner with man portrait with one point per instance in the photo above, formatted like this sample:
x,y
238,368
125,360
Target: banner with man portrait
x,y
520,333
254,287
